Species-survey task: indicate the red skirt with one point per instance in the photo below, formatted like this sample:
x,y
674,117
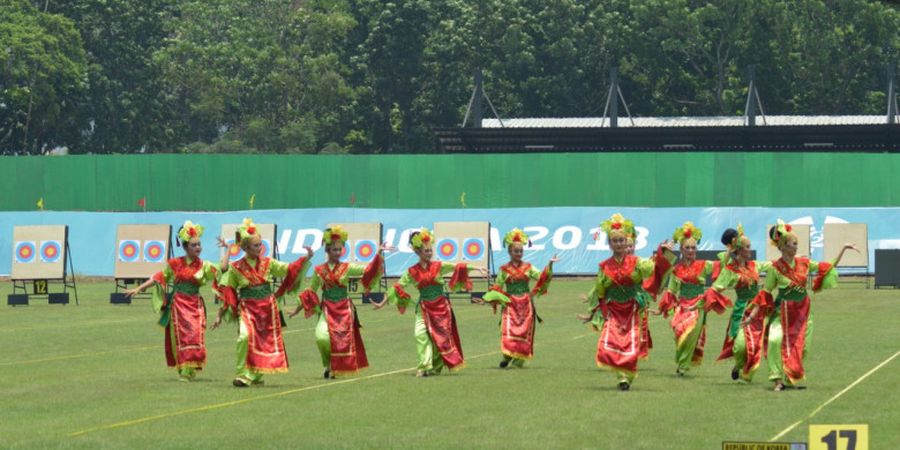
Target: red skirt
x,y
265,353
794,318
187,322
517,327
441,324
620,337
348,354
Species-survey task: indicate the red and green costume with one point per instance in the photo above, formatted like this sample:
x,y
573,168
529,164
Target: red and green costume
x,y
744,344
176,298
684,296
246,289
615,306
789,315
337,329
517,322
437,337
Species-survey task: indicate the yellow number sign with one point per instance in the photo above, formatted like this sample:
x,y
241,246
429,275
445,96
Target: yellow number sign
x,y
838,437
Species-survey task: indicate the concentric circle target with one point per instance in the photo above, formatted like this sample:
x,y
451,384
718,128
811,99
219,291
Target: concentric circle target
x,y
25,252
365,250
129,250
234,251
266,248
51,251
473,249
447,249
154,251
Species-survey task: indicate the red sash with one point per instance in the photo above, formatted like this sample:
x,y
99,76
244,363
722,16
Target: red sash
x,y
441,324
427,276
646,340
684,321
754,341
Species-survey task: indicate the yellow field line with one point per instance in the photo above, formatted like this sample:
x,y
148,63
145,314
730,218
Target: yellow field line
x,y
247,400
835,397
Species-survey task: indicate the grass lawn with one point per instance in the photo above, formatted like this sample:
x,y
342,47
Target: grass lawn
x,y
94,376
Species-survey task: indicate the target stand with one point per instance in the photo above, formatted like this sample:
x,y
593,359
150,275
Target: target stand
x,y
362,245
141,251
41,260
466,242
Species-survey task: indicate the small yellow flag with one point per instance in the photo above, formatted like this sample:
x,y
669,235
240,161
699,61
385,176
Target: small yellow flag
x,y
462,199
40,203
252,200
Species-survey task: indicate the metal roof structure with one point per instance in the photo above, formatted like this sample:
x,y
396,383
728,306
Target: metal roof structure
x,y
681,121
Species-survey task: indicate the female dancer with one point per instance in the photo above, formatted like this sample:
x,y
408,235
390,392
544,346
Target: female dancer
x,y
437,339
790,319
614,301
684,294
182,312
337,329
740,273
510,289
246,291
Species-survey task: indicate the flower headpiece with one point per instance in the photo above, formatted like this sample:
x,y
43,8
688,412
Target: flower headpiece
x,y
421,238
618,224
189,231
334,234
516,236
687,231
246,230
781,231
737,242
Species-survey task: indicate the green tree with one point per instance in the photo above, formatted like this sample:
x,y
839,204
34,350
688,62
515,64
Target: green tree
x,y
42,79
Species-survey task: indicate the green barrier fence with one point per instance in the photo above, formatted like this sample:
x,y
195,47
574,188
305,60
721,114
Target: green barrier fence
x,y
226,182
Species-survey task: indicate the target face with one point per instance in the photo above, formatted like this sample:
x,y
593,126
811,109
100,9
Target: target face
x,y
345,251
234,251
129,250
447,249
51,251
25,251
473,249
365,250
154,251
266,248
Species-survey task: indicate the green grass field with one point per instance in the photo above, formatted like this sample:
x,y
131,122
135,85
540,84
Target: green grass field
x,y
94,376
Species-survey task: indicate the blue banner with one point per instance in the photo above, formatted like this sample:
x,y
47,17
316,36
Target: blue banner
x,y
568,232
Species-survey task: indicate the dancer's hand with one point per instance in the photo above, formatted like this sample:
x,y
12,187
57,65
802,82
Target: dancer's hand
x,y
585,318
554,259
295,311
384,247
483,271
478,301
309,252
584,298
668,245
132,292
379,305
220,242
656,312
218,320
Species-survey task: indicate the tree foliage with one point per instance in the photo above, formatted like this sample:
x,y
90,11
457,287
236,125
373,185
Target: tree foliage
x,y
309,76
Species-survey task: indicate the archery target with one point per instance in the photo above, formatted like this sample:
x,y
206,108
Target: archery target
x,y
129,250
473,249
234,251
25,252
345,251
266,248
51,251
154,251
447,249
365,250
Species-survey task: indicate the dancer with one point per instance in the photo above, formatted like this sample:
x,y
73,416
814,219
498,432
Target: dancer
x,y
684,295
437,338
511,290
182,311
614,301
741,273
337,328
246,292
790,318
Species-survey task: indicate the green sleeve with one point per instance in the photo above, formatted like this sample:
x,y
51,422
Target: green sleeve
x,y
277,268
772,279
645,266
763,267
597,292
727,280
208,273
674,284
500,280
168,274
355,270
316,282
394,295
